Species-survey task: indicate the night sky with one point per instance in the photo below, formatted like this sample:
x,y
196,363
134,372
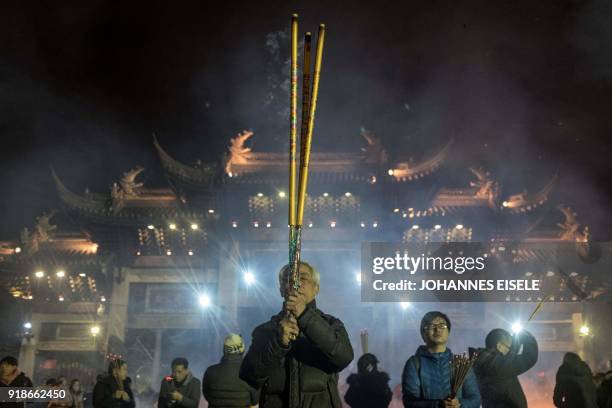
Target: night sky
x,y
524,88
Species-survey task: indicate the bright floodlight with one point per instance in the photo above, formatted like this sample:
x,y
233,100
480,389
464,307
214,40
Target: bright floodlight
x,y
358,277
60,274
585,330
27,325
404,305
281,194
249,278
194,226
151,227
204,301
172,226
516,328
39,274
94,330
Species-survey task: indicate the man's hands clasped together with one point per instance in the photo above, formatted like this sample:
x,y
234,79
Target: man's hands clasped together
x,y
288,327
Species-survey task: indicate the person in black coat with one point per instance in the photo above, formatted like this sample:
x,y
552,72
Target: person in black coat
x,y
604,391
369,388
221,385
499,365
574,387
10,376
113,390
181,389
295,359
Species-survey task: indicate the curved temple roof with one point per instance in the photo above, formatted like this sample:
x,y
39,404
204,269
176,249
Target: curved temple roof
x,y
135,211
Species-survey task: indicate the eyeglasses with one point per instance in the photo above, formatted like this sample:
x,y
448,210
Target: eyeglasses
x,y
440,326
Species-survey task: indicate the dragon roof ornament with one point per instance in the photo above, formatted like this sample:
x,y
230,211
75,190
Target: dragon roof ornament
x,y
570,227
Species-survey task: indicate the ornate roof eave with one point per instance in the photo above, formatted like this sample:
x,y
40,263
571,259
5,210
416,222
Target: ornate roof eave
x,y
182,172
65,258
407,172
75,201
523,202
328,167
101,211
465,197
242,165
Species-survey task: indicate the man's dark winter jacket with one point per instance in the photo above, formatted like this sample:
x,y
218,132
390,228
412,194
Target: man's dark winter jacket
x,y
20,381
104,393
223,388
604,392
189,389
497,373
305,374
426,381
575,387
368,390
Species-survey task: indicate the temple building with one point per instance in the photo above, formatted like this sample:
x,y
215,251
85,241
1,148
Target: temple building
x,y
148,270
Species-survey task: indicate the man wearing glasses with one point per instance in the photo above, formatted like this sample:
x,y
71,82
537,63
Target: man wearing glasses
x,y
499,365
427,374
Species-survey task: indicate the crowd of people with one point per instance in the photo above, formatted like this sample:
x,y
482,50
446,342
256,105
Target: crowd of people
x,y
295,358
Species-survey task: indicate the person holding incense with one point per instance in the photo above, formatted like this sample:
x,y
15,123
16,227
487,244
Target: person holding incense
x,y
295,358
433,377
499,365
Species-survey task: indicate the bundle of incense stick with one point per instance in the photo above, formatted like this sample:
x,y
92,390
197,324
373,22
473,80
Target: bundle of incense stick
x,y
297,199
460,366
364,341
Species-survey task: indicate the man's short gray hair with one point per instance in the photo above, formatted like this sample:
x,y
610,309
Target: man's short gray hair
x,y
314,273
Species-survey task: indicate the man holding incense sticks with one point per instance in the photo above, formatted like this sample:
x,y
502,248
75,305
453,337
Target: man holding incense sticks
x,y
499,365
434,377
295,358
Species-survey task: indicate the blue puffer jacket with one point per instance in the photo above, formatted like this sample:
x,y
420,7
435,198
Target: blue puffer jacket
x,y
427,382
